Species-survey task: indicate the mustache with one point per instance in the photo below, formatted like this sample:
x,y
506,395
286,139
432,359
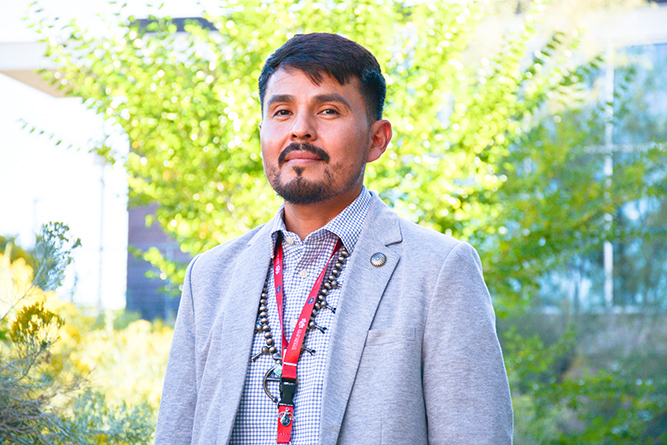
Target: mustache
x,y
303,146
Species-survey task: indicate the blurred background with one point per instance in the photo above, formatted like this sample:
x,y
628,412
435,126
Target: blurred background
x,y
533,130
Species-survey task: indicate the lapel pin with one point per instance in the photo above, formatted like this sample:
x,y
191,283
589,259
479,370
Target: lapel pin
x,y
378,259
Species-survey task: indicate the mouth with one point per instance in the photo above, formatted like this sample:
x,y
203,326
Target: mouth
x,y
302,153
299,157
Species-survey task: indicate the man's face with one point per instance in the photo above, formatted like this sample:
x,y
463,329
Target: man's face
x,y
316,139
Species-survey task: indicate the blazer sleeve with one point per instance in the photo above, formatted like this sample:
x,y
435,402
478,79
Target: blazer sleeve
x,y
466,390
179,394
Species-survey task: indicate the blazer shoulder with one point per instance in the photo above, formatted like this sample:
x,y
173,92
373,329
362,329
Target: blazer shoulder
x,y
226,252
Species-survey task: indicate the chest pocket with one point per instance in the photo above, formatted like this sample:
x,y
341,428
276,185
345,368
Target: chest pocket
x,y
398,334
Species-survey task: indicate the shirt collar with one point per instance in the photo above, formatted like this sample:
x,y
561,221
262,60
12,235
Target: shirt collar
x,y
346,225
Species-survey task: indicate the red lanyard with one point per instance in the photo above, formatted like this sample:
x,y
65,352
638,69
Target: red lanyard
x,y
292,350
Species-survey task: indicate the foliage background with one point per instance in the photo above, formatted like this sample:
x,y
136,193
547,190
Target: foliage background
x,y
492,145
63,375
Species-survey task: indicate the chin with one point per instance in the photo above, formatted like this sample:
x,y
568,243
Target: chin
x,y
301,191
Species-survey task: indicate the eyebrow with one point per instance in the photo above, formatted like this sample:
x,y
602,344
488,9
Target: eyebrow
x,y
331,97
280,98
320,98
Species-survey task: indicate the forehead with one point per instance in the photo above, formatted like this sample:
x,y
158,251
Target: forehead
x,y
296,83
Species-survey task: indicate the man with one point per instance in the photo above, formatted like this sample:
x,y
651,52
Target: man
x,y
337,321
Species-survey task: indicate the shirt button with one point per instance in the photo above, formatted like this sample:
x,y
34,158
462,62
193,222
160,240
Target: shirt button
x,y
289,240
303,273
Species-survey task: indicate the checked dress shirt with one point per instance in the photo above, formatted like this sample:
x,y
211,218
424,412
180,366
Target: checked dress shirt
x,y
257,417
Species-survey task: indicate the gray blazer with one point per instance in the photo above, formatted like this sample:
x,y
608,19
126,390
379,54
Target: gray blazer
x,y
414,357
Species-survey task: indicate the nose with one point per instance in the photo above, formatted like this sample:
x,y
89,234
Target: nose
x,y
303,129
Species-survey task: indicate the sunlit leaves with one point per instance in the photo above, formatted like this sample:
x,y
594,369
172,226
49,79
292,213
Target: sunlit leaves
x,y
466,123
42,353
52,255
35,328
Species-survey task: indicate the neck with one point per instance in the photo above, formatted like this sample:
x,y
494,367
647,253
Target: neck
x,y
305,219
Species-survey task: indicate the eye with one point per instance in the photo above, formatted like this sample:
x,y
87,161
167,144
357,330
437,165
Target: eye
x,y
282,112
330,112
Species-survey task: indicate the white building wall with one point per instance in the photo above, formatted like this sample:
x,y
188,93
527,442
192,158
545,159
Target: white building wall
x,y
41,182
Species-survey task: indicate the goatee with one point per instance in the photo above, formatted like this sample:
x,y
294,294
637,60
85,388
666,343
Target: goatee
x,y
301,191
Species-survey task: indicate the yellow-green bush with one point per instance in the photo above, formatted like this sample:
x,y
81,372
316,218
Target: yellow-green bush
x,y
66,377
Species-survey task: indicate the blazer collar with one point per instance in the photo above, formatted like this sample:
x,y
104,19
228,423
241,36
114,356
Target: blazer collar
x,y
361,294
251,267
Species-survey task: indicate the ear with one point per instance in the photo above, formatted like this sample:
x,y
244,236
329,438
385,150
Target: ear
x,y
380,137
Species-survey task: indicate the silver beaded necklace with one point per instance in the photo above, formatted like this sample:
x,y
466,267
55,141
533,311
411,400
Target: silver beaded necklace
x,y
274,373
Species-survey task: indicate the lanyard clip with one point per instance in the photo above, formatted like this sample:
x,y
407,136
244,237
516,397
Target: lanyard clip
x,y
287,391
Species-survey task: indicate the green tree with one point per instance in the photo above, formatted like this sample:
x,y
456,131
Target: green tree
x,y
464,125
641,107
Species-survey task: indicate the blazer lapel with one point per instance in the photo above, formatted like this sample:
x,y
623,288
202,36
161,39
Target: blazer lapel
x,y
238,330
361,294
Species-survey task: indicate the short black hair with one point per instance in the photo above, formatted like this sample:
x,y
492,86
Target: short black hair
x,y
336,56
